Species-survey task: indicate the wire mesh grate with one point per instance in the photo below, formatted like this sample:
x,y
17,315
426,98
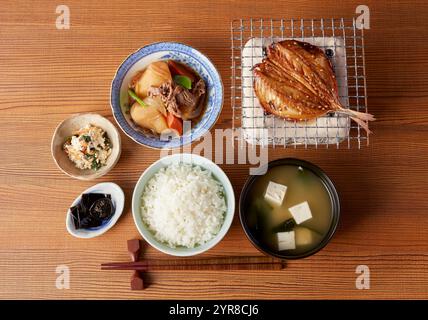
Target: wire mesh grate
x,y
342,42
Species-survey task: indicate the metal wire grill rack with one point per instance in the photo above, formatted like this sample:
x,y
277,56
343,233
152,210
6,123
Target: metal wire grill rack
x,y
343,43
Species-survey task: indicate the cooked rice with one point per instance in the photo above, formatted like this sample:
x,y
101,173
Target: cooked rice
x,y
183,205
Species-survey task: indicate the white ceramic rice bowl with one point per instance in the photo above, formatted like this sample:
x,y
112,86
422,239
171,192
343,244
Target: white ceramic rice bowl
x,y
186,158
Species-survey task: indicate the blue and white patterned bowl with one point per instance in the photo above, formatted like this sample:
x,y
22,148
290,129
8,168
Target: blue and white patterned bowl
x,y
163,51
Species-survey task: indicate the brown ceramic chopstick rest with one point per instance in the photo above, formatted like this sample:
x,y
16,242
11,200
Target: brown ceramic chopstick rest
x,y
134,249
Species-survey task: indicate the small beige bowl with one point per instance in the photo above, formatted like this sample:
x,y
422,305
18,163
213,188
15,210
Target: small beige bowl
x,y
73,124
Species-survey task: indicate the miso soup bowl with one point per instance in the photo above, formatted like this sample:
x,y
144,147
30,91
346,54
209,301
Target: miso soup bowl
x,y
335,205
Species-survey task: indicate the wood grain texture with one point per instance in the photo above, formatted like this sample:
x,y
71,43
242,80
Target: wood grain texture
x,y
47,74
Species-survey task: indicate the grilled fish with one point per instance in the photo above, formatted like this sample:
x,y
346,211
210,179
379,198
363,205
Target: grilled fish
x,y
296,82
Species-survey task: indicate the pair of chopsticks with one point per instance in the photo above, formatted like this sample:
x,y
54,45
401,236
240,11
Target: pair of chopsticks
x,y
218,264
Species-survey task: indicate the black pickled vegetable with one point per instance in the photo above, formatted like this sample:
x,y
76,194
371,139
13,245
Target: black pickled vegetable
x,y
92,210
101,208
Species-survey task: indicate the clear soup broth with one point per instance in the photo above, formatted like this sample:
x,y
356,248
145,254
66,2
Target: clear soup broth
x,y
272,222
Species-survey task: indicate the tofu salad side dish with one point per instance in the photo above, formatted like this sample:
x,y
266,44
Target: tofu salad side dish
x,y
88,148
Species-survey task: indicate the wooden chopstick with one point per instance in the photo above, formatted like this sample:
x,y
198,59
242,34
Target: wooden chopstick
x,y
232,263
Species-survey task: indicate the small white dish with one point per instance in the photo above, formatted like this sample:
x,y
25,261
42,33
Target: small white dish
x,y
205,163
118,199
69,126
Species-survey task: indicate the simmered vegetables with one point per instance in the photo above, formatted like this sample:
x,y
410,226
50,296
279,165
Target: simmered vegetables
x,y
164,95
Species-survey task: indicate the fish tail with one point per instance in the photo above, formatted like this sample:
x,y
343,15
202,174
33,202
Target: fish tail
x,y
361,118
363,124
361,115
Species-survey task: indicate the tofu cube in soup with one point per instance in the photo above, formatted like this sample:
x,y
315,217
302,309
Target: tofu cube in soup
x,y
286,240
301,212
275,193
305,236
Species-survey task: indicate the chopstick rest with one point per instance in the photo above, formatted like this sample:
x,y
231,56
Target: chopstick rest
x,y
134,249
137,282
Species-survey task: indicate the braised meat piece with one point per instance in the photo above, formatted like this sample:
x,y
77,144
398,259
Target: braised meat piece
x,y
181,102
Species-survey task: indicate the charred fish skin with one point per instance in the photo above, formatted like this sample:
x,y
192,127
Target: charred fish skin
x,y
309,65
275,99
296,81
288,83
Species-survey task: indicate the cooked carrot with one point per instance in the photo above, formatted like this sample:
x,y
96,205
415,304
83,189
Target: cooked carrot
x,y
176,69
174,123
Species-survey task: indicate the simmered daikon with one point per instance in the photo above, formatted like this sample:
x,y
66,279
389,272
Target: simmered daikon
x,y
149,118
155,74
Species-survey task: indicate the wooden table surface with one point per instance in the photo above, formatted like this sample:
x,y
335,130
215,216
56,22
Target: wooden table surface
x,y
48,74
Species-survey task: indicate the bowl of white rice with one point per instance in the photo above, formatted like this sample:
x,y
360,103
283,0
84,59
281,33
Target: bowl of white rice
x,y
183,204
